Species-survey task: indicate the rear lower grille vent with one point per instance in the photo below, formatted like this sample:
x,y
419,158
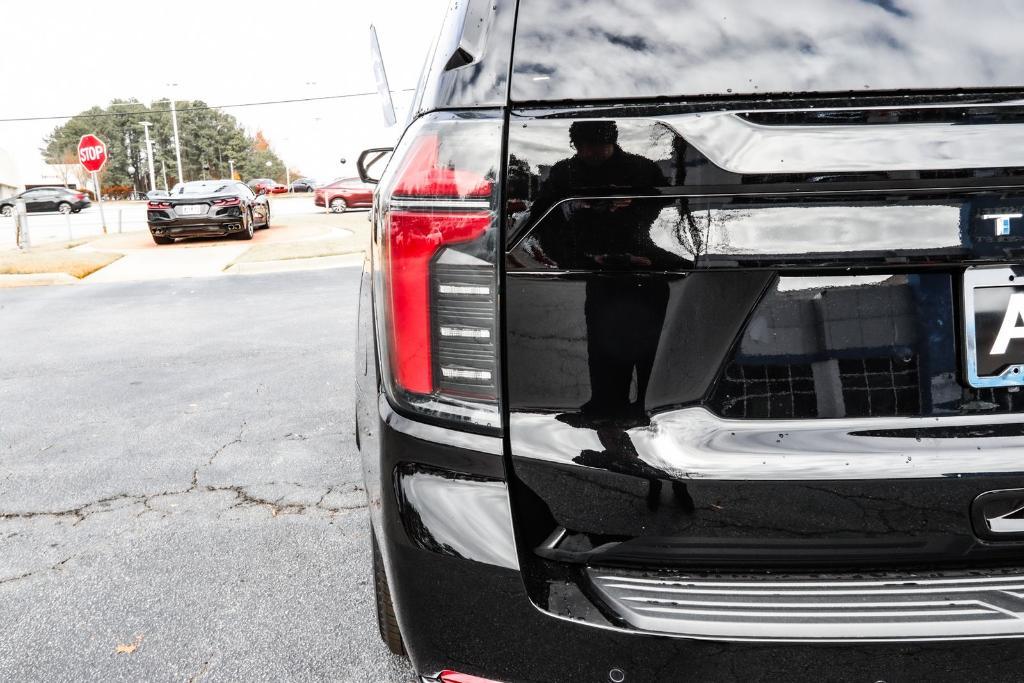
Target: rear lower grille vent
x,y
819,608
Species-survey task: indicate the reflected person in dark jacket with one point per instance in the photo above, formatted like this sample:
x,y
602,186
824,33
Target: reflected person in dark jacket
x,y
609,233
624,309
625,306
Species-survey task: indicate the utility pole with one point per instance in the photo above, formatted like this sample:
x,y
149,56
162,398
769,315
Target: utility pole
x,y
177,143
149,154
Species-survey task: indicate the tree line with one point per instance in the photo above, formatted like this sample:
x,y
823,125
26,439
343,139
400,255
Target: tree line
x,y
209,139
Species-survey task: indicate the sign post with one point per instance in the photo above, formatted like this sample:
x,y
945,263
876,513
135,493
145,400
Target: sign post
x,y
92,154
381,78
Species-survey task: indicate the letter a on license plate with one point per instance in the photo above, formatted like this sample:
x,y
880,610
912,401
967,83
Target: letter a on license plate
x,y
994,326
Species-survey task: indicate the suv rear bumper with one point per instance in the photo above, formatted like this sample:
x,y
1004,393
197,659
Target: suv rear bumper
x,y
483,616
478,619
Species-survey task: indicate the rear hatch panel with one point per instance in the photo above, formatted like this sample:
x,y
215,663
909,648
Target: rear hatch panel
x,y
713,368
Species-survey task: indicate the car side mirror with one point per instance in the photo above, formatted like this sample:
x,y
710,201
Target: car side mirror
x,y
372,162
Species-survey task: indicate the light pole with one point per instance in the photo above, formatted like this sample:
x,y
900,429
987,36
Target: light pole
x,y
177,142
149,154
231,165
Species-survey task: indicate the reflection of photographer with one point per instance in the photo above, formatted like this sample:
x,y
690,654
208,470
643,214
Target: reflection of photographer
x,y
624,313
612,232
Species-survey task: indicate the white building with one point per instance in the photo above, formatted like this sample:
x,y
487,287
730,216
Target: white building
x,y
10,182
55,174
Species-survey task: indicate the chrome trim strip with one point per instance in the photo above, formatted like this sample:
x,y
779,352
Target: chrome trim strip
x,y
428,432
693,443
902,607
427,203
741,146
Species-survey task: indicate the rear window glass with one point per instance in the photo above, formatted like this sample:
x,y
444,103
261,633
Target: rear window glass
x,y
615,49
200,187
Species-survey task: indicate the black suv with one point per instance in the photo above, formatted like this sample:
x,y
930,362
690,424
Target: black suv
x,y
41,199
691,344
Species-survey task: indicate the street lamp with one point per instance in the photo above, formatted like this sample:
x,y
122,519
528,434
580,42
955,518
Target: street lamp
x,y
149,154
177,142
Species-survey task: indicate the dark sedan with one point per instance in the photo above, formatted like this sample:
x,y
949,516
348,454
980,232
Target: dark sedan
x,y
207,208
39,199
303,185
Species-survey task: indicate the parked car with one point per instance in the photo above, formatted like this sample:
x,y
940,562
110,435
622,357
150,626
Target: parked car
x,y
690,346
40,199
207,208
344,194
266,186
303,185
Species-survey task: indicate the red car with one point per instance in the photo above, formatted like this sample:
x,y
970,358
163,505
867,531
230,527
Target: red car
x,y
347,193
268,185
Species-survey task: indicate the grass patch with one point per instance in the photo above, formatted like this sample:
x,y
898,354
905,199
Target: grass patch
x,y
295,250
54,260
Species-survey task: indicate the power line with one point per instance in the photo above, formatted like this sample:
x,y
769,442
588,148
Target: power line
x,y
150,112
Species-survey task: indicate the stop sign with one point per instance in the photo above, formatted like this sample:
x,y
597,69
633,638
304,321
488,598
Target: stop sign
x,y
92,153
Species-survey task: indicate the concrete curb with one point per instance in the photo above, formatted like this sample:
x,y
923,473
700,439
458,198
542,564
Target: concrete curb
x,y
245,268
312,263
37,279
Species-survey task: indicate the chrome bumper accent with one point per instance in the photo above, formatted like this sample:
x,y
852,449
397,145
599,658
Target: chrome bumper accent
x,y
742,146
693,443
814,608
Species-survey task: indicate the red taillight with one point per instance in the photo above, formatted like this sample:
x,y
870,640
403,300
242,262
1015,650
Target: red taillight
x,y
228,201
79,197
413,239
425,177
456,677
437,256
158,205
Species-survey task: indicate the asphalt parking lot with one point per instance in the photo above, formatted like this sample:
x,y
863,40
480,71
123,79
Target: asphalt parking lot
x,y
180,494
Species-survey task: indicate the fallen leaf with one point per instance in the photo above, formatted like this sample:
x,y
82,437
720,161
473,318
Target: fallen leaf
x,y
128,648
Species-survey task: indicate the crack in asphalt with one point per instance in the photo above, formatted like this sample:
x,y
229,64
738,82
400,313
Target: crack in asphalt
x,y
53,567
240,491
244,497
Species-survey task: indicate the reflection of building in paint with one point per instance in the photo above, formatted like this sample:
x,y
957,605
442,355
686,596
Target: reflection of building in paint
x,y
9,181
791,230
846,347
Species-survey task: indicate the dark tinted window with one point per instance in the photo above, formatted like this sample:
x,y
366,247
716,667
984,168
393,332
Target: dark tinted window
x,y
613,49
201,187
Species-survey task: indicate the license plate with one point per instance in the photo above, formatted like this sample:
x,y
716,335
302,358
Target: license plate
x,y
190,209
994,326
